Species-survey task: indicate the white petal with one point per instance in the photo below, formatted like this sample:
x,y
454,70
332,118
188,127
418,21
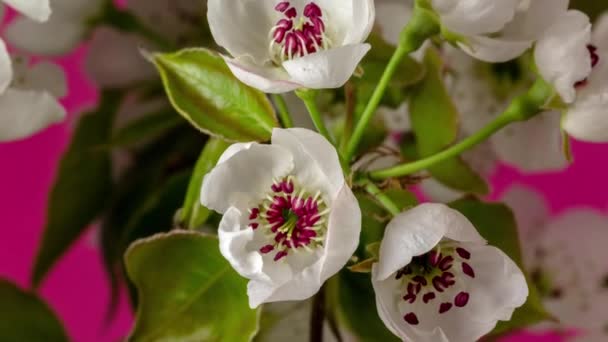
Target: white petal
x,y
419,230
495,50
267,79
39,10
36,38
316,163
561,53
363,17
298,111
23,113
245,178
396,120
393,15
529,23
232,150
242,27
6,69
587,118
473,17
46,76
114,59
327,69
437,192
234,237
600,31
534,145
344,227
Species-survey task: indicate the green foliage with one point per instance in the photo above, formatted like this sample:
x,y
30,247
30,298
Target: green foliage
x,y
25,317
146,128
435,125
357,309
496,223
188,291
202,88
193,214
82,187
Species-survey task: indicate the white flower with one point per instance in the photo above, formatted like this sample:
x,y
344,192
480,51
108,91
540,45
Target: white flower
x,y
278,47
587,117
60,34
392,16
38,10
562,54
290,220
438,281
29,104
499,30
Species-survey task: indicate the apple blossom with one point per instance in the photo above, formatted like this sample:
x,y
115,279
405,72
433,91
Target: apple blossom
x,y
29,104
500,30
294,44
437,280
290,219
38,10
61,33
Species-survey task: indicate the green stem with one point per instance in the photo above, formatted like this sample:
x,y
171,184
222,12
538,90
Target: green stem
x,y
380,196
522,108
423,25
308,96
279,101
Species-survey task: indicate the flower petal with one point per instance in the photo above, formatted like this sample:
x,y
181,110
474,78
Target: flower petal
x,y
24,112
326,69
232,150
530,209
495,50
529,23
419,230
473,17
114,59
267,79
344,227
438,192
561,53
242,27
39,10
237,181
234,237
587,118
6,68
34,37
395,15
534,145
45,76
363,18
316,161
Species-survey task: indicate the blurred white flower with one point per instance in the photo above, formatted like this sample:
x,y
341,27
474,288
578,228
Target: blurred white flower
x,y
28,104
499,30
290,219
438,281
60,34
38,10
572,273
292,44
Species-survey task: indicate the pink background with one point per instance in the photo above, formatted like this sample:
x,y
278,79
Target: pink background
x,y
77,288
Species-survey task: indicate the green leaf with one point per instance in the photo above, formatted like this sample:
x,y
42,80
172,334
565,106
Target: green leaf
x,y
188,291
193,213
435,124
408,73
358,308
202,88
148,127
496,223
82,187
25,317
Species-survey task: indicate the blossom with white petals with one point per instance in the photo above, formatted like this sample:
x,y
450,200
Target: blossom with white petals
x,y
290,219
60,34
438,281
571,273
29,104
293,44
499,30
38,10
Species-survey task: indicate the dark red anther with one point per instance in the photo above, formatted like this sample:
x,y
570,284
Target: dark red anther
x,y
446,263
461,299
254,225
267,249
312,10
445,307
463,253
291,13
288,187
468,270
420,280
428,297
280,255
282,6
254,213
411,318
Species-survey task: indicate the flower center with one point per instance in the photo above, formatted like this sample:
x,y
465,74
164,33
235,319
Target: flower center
x,y
432,274
595,59
291,218
291,38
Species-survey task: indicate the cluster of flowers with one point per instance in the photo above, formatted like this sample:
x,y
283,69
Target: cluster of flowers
x,y
290,218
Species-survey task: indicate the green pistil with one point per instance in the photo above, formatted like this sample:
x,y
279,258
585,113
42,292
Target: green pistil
x,y
290,224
